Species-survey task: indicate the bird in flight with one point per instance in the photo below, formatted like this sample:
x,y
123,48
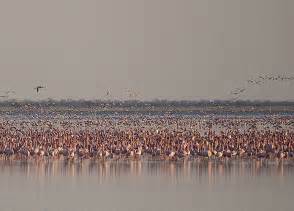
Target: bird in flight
x,y
261,77
38,88
238,91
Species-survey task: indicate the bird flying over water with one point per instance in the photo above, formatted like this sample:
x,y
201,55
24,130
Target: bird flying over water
x,y
38,88
261,77
238,91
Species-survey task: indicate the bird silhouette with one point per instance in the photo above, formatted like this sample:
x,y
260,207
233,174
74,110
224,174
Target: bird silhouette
x,y
38,88
261,77
238,91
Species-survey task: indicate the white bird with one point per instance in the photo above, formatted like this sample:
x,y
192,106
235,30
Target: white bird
x,y
171,154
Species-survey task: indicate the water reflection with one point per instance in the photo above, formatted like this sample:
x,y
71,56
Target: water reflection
x,y
209,171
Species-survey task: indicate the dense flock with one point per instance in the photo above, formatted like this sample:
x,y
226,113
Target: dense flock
x,y
159,137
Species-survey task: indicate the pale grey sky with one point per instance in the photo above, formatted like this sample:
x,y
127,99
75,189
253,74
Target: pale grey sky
x,y
171,49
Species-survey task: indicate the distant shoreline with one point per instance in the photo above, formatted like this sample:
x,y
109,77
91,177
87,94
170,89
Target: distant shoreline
x,y
153,107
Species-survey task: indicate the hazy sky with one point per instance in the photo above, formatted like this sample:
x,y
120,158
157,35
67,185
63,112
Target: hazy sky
x,y
171,49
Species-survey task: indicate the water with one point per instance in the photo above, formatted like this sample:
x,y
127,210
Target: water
x,y
147,185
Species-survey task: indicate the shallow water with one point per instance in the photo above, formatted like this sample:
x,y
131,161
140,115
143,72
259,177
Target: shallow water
x,y
147,185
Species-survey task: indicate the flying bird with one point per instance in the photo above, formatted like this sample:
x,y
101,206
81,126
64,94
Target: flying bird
x,y
261,77
238,91
257,82
38,88
242,90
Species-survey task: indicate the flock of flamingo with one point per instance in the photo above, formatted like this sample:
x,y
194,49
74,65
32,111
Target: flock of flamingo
x,y
147,137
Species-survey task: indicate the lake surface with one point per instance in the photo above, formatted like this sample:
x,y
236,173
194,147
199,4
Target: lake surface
x,y
147,185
